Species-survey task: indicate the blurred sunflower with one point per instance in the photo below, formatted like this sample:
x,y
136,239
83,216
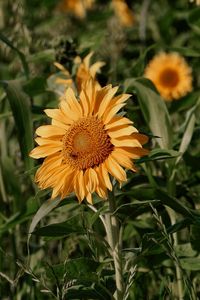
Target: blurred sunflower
x,y
84,72
77,7
197,1
123,12
86,142
170,74
65,78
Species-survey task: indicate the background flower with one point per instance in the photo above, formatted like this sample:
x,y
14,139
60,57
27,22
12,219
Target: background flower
x,y
171,75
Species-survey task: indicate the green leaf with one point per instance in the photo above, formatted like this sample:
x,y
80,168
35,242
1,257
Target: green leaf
x,y
185,51
159,154
12,182
190,263
35,86
61,229
138,67
21,109
79,267
185,103
185,250
194,237
188,130
174,204
187,135
45,209
21,55
194,20
18,218
46,56
154,110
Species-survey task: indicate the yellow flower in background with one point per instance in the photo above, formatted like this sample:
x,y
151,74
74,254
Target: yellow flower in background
x,y
77,7
87,142
170,74
197,1
123,12
65,79
86,70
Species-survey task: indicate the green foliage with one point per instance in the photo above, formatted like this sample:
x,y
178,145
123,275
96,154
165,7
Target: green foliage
x,y
53,249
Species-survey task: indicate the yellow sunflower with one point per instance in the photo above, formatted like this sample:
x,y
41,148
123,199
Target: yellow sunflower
x,y
123,12
170,74
87,142
197,1
65,78
77,7
86,71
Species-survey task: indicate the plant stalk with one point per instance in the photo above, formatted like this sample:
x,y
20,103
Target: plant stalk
x,y
172,216
113,236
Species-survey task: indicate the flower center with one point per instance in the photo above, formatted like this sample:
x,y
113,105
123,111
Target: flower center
x,y
86,144
169,78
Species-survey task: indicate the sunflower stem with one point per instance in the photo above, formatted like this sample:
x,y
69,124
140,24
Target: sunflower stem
x,y
113,236
172,216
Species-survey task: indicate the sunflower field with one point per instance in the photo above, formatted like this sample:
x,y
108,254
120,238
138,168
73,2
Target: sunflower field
x,y
100,149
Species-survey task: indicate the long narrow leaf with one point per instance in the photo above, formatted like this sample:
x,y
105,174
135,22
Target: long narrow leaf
x,y
154,110
21,109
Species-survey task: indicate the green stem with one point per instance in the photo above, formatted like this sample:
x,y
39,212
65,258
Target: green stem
x,y
172,216
113,236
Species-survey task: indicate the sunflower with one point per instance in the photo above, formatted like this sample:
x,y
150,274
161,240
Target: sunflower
x,y
197,1
77,7
123,12
86,70
65,78
87,142
170,74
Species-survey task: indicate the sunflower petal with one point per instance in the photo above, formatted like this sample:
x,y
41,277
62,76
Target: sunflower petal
x,y
50,130
115,170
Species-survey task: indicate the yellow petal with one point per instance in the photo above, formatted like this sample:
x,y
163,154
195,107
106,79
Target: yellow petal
x,y
45,150
134,152
105,176
122,131
126,141
62,68
48,165
100,95
108,115
69,184
79,186
90,93
61,182
50,130
115,170
84,102
91,180
96,67
120,99
44,141
70,114
73,102
123,160
142,138
58,115
118,121
86,60
59,124
89,198
106,101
